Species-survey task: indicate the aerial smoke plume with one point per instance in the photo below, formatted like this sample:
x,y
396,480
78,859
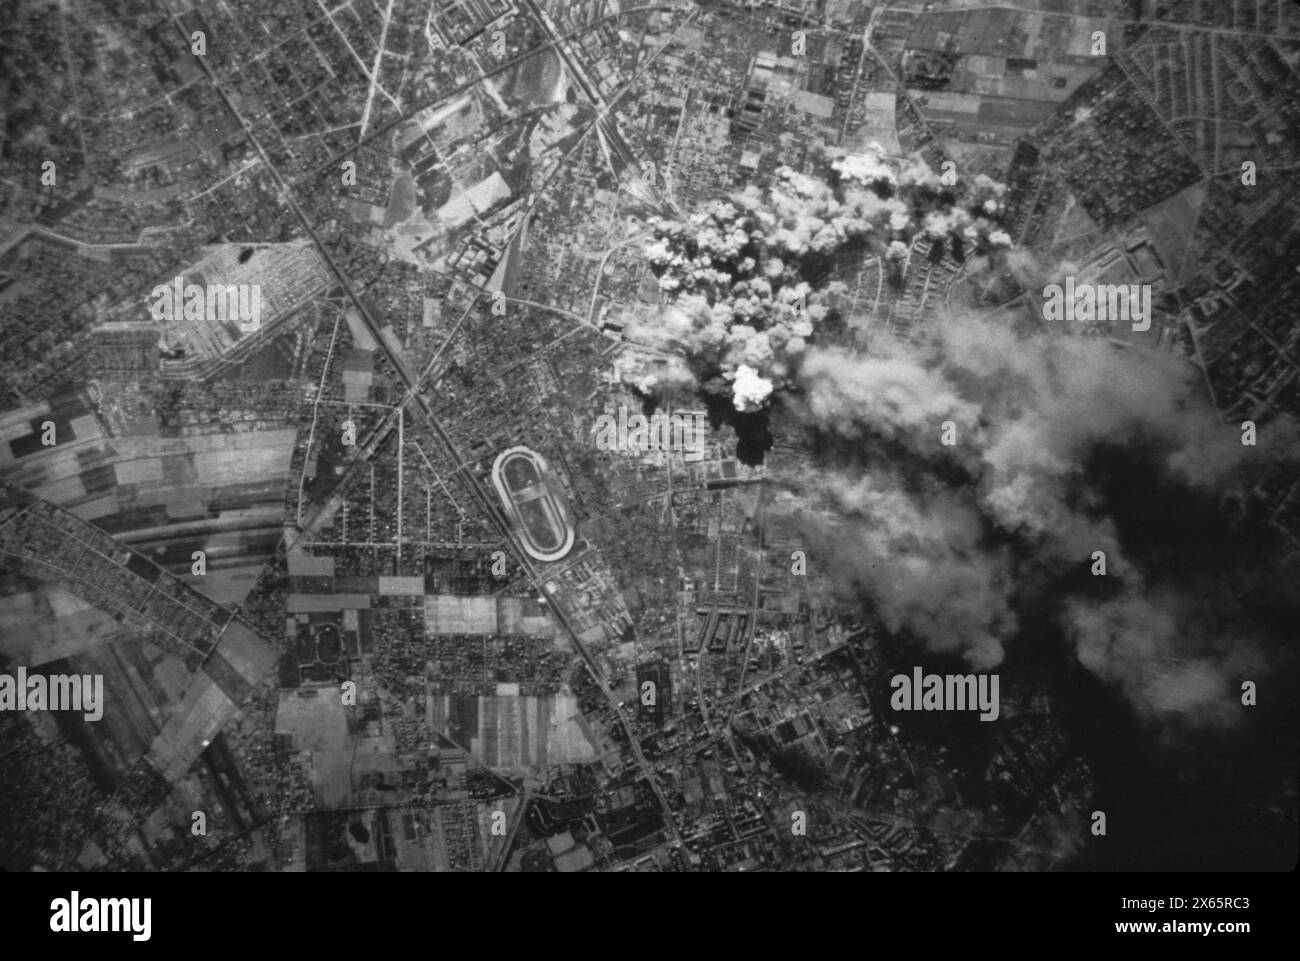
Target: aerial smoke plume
x,y
1060,446
1066,452
741,277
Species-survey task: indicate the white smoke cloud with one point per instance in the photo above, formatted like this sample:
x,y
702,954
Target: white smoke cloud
x,y
947,543
733,271
920,562
1012,501
750,391
868,169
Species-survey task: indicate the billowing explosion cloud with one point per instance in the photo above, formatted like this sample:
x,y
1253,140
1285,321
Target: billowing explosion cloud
x,y
1064,456
744,301
1064,447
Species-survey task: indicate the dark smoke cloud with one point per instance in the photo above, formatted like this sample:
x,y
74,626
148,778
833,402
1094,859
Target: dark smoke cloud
x,y
1058,441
